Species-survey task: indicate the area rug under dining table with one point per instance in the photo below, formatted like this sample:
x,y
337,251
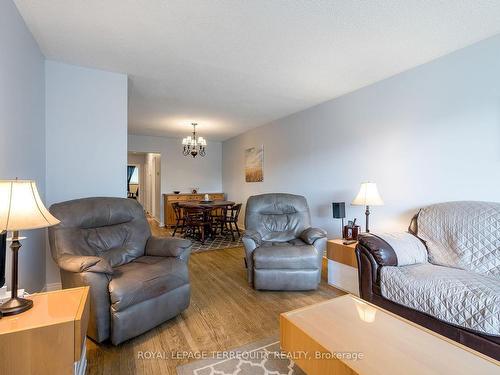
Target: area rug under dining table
x,y
219,242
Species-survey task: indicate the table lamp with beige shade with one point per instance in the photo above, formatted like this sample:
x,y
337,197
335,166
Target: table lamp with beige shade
x,y
20,209
368,196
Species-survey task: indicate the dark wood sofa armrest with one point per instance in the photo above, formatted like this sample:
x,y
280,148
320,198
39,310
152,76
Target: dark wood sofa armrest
x,y
381,251
372,253
367,272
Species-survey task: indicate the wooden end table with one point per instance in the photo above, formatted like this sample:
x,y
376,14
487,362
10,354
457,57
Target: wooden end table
x,y
50,337
342,266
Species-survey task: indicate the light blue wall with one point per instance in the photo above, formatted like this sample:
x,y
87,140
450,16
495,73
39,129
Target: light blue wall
x,y
86,126
427,135
22,133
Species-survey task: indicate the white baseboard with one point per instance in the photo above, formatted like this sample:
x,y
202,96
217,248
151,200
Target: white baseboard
x,y
52,286
160,223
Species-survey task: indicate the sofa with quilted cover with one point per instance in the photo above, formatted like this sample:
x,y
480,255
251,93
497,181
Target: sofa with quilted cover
x,y
443,274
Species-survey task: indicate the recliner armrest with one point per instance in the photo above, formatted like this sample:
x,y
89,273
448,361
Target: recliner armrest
x,y
310,235
168,247
84,263
251,240
254,236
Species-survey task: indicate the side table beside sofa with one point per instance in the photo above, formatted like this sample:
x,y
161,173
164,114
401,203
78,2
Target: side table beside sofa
x,y
342,266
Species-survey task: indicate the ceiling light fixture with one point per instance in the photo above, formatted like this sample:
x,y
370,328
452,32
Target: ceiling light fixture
x,y
194,145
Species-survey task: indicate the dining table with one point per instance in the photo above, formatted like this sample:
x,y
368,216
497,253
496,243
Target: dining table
x,y
206,207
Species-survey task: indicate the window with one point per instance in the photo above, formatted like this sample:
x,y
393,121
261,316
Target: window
x,y
134,180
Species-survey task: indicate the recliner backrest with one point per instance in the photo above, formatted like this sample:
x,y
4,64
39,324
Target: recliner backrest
x,y
277,217
113,228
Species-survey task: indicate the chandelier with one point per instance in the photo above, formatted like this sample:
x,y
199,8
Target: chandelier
x,y
194,145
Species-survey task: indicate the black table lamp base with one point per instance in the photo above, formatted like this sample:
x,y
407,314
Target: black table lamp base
x,y
15,305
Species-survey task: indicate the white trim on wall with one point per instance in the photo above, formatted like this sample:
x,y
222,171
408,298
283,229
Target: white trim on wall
x,y
52,286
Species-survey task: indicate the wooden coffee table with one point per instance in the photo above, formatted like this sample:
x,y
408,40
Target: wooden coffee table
x,y
347,335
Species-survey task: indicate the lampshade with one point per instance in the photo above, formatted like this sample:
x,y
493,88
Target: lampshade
x,y
368,195
21,207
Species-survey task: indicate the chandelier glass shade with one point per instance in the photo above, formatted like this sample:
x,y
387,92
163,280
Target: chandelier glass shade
x,y
194,145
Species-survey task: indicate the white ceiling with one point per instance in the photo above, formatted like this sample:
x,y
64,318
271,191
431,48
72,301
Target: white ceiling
x,y
232,65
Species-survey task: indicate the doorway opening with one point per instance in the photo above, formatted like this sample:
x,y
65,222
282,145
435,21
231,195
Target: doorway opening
x,y
144,181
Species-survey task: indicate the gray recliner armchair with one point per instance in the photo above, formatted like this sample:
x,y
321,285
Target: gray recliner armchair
x,y
282,251
136,280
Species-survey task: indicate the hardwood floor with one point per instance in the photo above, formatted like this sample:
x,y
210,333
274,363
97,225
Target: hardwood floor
x,y
224,313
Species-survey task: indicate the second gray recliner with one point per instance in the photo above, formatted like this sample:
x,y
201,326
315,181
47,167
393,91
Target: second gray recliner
x,y
282,251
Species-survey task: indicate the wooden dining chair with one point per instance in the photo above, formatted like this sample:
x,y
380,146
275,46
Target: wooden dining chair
x,y
229,220
219,217
179,219
196,223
